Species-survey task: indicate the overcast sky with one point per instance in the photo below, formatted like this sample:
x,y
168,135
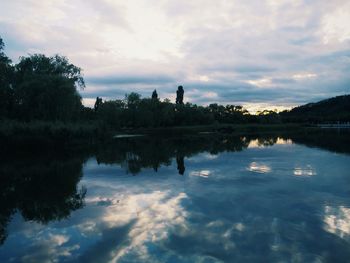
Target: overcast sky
x,y
261,54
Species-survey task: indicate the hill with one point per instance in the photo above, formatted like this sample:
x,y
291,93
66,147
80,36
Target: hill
x,y
329,110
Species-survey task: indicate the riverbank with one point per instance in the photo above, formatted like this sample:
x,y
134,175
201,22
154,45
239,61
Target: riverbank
x,y
215,128
59,133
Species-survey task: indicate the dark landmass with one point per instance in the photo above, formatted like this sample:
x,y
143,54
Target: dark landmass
x,y
335,109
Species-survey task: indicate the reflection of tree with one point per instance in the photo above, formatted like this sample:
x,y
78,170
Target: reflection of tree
x,y
133,154
42,189
180,164
331,140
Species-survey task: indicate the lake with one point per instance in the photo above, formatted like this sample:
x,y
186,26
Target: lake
x,y
222,198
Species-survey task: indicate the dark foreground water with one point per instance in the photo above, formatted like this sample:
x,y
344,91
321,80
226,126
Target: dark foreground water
x,y
194,199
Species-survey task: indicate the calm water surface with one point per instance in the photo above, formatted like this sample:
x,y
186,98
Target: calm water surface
x,y
198,199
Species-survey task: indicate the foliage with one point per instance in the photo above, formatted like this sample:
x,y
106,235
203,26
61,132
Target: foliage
x,y
45,88
154,95
179,95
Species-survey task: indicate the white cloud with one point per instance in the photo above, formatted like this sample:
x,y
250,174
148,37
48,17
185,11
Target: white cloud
x,y
301,76
264,82
336,25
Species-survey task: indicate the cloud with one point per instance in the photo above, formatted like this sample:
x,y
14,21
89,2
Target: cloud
x,y
214,47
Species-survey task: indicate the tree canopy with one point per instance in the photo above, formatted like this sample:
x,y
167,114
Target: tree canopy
x,y
46,88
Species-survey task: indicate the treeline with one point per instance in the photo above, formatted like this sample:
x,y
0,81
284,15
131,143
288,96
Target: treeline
x,y
134,111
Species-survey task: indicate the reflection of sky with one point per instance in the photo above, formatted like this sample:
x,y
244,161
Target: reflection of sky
x,y
260,143
337,221
219,211
304,171
259,168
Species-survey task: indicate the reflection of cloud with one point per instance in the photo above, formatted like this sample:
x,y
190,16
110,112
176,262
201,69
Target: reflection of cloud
x,y
281,141
337,221
210,156
202,173
239,227
304,171
259,168
50,248
155,213
258,143
254,144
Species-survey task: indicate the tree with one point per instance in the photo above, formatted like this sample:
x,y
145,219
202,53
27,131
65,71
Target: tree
x,y
98,103
6,77
111,113
46,88
154,95
180,95
132,101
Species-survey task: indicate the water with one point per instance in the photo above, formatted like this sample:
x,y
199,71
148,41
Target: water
x,y
282,198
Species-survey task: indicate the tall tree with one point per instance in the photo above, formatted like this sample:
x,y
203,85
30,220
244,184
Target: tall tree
x,y
180,95
154,95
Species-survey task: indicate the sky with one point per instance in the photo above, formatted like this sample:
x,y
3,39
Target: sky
x,y
272,54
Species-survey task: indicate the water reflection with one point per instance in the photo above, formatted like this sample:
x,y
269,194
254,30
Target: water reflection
x,y
337,221
304,171
219,210
40,189
180,164
259,168
149,152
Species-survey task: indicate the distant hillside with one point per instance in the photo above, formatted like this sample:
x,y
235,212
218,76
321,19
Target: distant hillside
x,y
329,110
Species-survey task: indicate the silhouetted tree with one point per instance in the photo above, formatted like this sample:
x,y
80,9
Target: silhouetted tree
x,y
46,88
180,164
132,101
6,77
98,103
154,95
111,113
179,95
